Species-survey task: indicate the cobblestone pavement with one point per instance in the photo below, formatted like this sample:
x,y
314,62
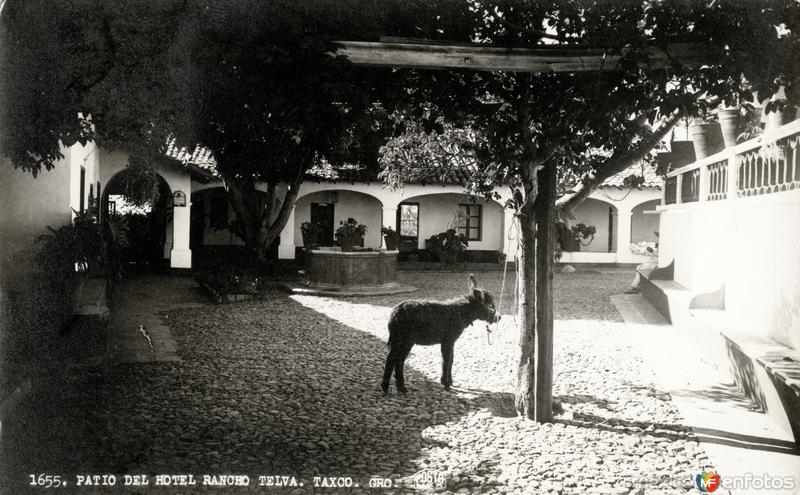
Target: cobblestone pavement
x,y
290,386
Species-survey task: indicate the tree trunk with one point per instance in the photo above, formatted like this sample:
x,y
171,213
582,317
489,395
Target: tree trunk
x,y
545,246
525,397
262,215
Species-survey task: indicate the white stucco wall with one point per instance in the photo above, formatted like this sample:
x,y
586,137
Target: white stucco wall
x,y
644,225
29,205
752,246
595,213
437,213
438,205
176,247
365,209
87,157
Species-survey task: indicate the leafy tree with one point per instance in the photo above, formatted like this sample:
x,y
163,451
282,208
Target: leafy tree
x,y
252,81
523,130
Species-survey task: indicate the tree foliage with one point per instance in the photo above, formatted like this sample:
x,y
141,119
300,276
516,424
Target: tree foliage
x,y
524,130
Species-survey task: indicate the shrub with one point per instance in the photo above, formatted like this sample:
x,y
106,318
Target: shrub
x,y
228,279
448,246
350,233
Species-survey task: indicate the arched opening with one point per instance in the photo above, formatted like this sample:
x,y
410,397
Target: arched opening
x,y
644,222
149,222
421,217
213,234
603,217
327,209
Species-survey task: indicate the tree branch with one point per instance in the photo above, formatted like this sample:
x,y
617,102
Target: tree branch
x,y
615,164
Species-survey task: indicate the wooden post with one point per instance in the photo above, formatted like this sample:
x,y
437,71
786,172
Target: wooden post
x,y
545,245
525,396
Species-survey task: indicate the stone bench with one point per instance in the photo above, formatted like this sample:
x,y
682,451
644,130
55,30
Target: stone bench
x,y
769,374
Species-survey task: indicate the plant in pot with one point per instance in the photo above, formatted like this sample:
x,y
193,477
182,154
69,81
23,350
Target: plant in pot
x,y
706,135
350,234
448,246
391,237
739,119
581,232
310,233
779,111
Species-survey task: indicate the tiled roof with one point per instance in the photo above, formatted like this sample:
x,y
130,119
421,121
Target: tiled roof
x,y
201,157
324,171
648,172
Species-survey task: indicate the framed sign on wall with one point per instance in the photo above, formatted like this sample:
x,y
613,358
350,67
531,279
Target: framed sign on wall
x,y
179,198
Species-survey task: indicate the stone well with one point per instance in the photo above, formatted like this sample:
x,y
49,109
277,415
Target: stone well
x,y
330,270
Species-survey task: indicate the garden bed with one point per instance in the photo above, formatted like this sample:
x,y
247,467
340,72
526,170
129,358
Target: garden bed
x,y
220,297
229,284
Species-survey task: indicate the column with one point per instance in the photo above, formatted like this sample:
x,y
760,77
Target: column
x,y
624,254
389,220
286,248
181,255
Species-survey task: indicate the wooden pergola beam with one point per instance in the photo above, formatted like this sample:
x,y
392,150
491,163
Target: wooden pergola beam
x,y
486,58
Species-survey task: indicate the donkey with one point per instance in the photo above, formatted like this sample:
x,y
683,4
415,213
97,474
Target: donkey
x,y
433,322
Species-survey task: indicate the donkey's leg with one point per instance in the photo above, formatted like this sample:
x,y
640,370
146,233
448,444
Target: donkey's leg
x,y
387,370
447,364
400,362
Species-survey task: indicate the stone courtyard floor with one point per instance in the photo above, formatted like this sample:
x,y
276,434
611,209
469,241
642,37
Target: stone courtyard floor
x,y
290,386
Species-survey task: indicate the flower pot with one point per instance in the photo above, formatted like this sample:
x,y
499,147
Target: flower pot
x,y
682,153
309,239
664,162
391,242
777,119
730,125
707,139
347,243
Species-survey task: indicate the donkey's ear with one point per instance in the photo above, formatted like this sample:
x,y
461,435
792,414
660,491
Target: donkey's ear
x,y
473,284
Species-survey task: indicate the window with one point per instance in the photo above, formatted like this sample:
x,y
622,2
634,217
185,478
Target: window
x,y
408,220
83,190
470,221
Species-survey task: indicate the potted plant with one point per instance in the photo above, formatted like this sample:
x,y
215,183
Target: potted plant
x,y
730,120
350,234
447,246
581,232
778,111
736,118
706,136
310,233
391,237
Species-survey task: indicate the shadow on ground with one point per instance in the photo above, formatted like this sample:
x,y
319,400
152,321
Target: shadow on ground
x,y
290,391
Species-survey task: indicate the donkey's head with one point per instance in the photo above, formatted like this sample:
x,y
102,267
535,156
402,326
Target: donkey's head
x,y
481,302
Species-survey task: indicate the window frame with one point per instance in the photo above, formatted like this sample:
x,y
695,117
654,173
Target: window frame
x,y
400,220
469,219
